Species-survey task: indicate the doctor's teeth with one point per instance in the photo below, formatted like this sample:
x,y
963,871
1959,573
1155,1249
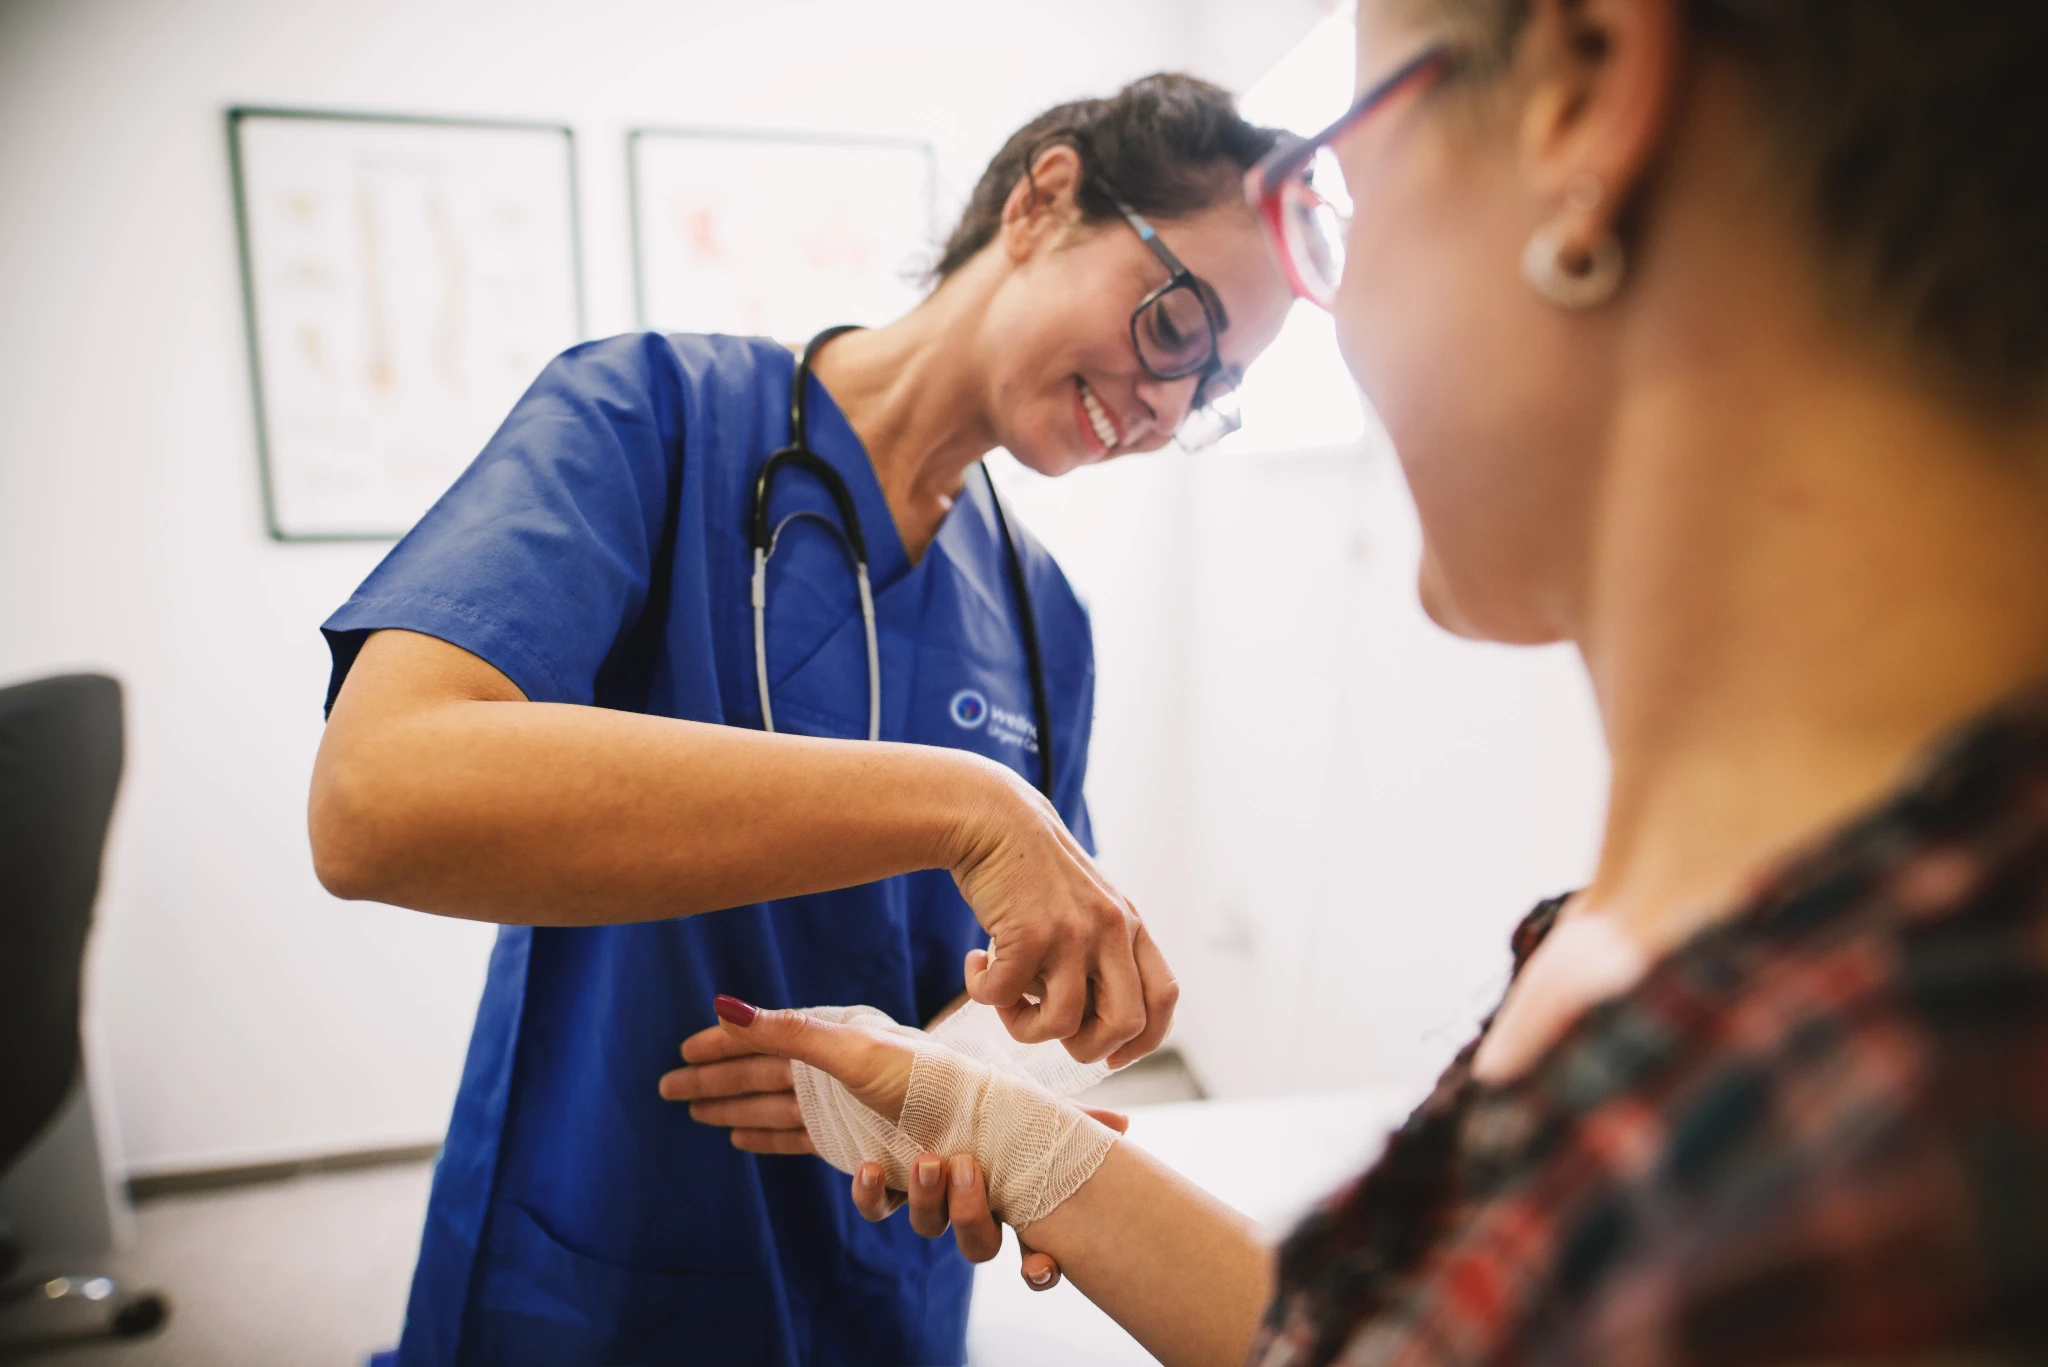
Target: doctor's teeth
x,y
1098,417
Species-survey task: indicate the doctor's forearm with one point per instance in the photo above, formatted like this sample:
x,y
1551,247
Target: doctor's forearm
x,y
1183,1273
496,809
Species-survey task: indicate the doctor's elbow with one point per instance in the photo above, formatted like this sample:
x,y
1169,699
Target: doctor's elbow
x,y
352,855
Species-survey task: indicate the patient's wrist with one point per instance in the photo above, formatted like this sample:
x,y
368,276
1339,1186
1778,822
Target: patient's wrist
x,y
1035,1150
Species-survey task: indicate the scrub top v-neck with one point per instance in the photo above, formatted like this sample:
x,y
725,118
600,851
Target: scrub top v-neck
x,y
596,553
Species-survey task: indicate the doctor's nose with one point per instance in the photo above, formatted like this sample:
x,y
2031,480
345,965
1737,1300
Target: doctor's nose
x,y
1165,404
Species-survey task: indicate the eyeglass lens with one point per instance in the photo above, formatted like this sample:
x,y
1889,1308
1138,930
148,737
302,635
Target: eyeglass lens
x,y
1173,334
1317,215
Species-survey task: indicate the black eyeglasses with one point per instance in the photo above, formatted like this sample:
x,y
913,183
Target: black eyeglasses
x,y
1174,330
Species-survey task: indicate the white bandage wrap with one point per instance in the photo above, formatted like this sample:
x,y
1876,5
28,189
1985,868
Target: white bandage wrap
x,y
973,1089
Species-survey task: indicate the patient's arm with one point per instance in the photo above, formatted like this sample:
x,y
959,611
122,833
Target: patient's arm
x,y
1184,1273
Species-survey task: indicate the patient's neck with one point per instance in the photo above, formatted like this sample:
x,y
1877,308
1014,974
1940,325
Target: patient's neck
x,y
1808,566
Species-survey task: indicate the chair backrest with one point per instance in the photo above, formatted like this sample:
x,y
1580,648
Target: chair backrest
x,y
60,763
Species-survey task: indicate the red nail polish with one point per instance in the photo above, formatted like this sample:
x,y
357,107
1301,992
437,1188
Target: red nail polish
x,y
734,1010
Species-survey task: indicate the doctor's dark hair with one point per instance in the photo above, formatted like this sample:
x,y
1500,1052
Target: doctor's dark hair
x,y
1168,146
1912,132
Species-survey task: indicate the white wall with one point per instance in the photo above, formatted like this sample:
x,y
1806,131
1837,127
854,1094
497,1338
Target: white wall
x,y
239,1013
1237,41
1377,802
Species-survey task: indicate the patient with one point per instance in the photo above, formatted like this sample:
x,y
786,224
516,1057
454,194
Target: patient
x,y
1713,339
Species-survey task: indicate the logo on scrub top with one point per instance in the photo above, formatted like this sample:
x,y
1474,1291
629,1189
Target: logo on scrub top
x,y
969,709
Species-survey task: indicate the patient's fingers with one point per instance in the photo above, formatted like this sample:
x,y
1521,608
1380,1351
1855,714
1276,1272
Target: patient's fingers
x,y
711,1044
778,1112
974,1229
928,1195
873,1066
773,1141
733,1077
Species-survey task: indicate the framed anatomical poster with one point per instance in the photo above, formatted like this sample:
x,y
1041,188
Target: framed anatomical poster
x,y
404,280
777,235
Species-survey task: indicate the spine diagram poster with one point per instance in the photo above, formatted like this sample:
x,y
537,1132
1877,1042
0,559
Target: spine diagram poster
x,y
405,280
773,236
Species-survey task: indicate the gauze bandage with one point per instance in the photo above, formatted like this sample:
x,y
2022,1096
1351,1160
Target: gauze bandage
x,y
973,1089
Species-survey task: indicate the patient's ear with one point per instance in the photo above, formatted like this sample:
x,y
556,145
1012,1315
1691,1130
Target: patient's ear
x,y
1602,81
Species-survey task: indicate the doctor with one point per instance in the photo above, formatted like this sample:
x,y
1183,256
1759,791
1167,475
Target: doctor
x,y
552,708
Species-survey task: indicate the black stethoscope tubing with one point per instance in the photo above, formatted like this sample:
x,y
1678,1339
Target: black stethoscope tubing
x,y
762,537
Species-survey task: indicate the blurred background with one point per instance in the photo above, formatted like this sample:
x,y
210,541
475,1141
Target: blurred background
x,y
1321,804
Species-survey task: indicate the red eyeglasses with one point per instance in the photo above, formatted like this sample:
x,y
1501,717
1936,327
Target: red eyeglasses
x,y
1298,191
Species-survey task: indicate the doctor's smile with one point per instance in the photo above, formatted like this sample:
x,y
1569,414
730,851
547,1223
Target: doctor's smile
x,y
1099,430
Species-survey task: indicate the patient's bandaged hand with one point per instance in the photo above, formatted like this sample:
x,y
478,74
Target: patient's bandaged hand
x,y
973,1089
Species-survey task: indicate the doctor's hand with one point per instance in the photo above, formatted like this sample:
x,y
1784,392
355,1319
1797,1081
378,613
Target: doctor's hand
x,y
1058,932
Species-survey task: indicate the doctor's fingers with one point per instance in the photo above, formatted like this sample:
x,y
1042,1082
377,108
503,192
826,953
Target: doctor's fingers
x,y
871,1198
1117,1006
1116,1120
951,1192
928,1195
1040,1271
1063,1011
974,1229
733,1077
1005,981
1162,996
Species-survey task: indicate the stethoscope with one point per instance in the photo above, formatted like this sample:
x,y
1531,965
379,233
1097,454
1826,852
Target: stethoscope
x,y
764,538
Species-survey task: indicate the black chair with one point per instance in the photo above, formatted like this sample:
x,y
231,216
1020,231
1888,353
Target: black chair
x,y
60,763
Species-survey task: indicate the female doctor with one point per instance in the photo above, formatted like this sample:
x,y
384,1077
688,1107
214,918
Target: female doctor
x,y
676,749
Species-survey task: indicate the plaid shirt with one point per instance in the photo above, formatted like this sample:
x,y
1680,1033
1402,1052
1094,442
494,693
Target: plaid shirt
x,y
1817,1132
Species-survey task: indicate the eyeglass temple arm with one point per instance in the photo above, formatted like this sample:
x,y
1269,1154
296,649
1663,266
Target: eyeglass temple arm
x,y
1282,165
1151,237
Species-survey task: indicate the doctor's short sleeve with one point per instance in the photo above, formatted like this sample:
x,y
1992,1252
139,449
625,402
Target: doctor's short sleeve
x,y
539,557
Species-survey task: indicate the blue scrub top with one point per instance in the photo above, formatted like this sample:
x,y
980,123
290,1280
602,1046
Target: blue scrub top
x,y
596,553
